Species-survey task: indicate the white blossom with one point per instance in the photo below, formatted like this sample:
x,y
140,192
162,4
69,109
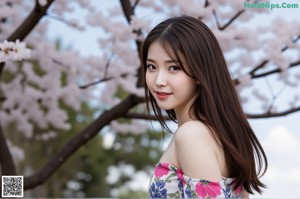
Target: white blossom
x,y
259,95
13,51
114,175
16,152
138,181
294,101
42,2
135,127
245,80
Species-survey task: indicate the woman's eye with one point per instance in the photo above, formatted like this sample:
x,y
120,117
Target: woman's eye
x,y
174,68
151,67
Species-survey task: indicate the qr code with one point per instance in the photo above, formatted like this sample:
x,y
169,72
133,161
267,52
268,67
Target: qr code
x,y
12,186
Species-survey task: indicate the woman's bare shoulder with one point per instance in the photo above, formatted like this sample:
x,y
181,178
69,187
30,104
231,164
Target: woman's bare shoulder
x,y
195,151
192,129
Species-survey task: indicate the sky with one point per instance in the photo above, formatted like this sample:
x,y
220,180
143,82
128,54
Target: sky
x,y
280,136
281,141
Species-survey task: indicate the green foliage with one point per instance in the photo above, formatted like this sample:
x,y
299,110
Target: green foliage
x,y
141,151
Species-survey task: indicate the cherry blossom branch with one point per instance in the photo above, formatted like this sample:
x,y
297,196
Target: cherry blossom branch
x,y
13,51
274,96
107,65
104,79
128,12
294,41
294,64
2,98
30,22
101,81
135,4
20,33
71,24
269,114
127,9
229,22
82,137
28,25
206,3
263,63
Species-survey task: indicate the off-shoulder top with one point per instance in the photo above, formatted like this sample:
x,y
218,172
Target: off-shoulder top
x,y
170,182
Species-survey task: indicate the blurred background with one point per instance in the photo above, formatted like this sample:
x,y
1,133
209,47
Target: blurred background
x,y
57,108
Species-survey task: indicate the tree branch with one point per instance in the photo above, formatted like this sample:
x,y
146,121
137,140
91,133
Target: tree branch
x,y
229,22
294,41
75,143
100,81
263,63
135,4
6,160
30,22
294,64
7,164
2,98
127,9
28,25
57,18
274,96
297,63
107,65
206,3
104,79
128,12
269,114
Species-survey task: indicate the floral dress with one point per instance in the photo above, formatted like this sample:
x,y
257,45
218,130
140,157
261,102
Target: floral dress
x,y
170,182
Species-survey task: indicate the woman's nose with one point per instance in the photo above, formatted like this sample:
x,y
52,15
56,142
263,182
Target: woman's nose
x,y
160,79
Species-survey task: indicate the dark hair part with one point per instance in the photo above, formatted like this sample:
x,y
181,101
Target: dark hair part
x,y
217,104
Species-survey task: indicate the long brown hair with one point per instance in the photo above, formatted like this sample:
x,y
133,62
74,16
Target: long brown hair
x,y
217,103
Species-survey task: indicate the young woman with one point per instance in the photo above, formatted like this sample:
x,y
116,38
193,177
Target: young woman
x,y
214,152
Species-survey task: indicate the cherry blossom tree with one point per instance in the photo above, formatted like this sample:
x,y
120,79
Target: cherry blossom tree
x,y
263,60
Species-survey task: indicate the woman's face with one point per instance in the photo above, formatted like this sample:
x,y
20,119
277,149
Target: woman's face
x,y
171,87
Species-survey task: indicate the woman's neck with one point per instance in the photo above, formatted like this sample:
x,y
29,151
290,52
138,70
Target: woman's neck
x,y
183,116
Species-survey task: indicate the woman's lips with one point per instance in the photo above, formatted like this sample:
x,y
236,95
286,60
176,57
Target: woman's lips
x,y
162,95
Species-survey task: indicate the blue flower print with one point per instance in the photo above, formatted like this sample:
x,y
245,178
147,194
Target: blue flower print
x,y
227,192
157,190
180,187
188,192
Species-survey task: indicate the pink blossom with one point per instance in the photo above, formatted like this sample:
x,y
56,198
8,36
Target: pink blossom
x,y
238,190
161,169
211,189
179,174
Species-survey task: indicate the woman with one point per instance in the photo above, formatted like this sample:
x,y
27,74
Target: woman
x,y
212,154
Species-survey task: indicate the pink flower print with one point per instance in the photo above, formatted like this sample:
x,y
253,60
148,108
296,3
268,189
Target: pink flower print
x,y
179,174
238,190
205,188
161,169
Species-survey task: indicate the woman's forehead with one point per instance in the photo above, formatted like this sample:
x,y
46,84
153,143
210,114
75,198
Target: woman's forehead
x,y
169,50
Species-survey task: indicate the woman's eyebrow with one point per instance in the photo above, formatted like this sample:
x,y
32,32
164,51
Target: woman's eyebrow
x,y
167,61
151,60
